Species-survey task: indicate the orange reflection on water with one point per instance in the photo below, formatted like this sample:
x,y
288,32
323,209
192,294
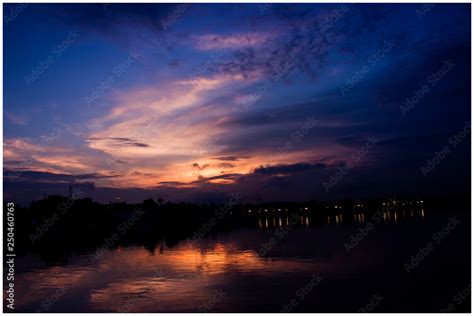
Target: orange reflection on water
x,y
185,272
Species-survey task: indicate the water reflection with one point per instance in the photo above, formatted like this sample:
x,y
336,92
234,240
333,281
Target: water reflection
x,y
133,279
180,279
361,217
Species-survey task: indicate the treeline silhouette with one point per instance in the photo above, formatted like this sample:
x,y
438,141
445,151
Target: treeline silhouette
x,y
58,226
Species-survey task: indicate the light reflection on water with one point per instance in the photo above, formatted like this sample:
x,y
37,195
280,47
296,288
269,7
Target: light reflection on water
x,y
391,216
181,278
184,277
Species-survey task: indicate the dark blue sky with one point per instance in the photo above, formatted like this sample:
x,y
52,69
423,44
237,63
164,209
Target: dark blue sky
x,y
195,102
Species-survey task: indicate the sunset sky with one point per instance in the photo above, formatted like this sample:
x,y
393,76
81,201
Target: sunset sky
x,y
196,102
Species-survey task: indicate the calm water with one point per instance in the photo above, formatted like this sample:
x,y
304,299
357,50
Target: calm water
x,y
232,272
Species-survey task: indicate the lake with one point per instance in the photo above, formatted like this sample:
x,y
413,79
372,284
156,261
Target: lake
x,y
417,262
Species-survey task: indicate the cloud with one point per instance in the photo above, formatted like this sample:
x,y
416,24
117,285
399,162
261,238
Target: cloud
x,y
229,158
49,177
119,22
54,156
16,119
172,183
303,42
228,178
196,165
120,141
191,131
225,165
288,169
228,42
165,128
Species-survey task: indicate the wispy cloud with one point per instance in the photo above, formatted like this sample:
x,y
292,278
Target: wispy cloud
x,y
16,119
230,42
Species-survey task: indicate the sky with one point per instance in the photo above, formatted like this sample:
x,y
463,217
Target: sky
x,y
270,102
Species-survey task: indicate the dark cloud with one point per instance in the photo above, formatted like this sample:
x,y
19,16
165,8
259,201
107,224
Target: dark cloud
x,y
288,169
121,141
228,158
175,63
225,165
39,176
139,144
228,176
197,166
172,183
110,19
309,37
143,174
